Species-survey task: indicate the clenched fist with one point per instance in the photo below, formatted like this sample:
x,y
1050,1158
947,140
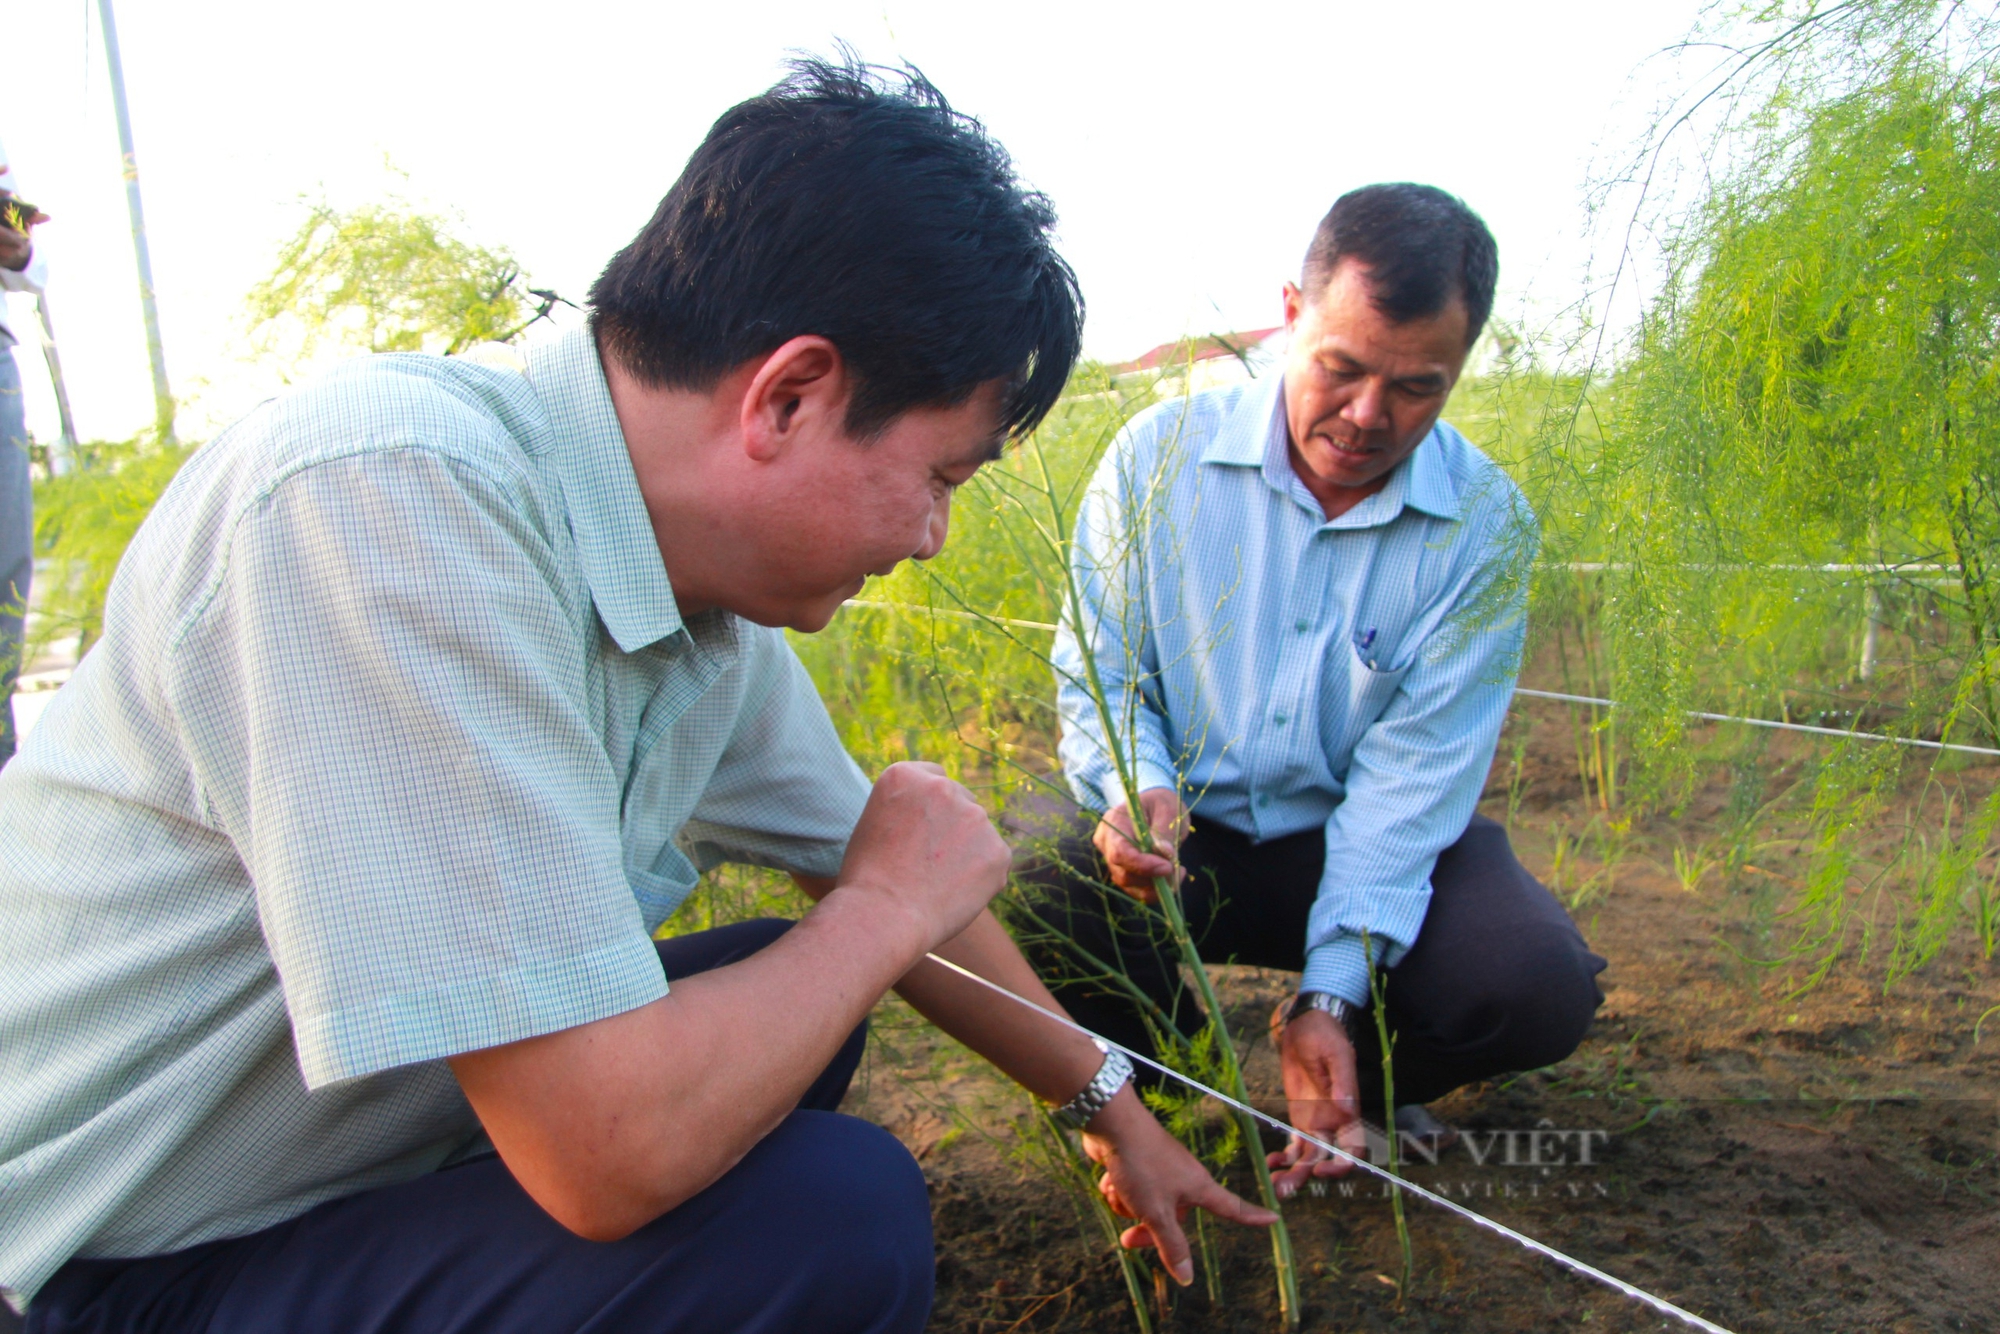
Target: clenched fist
x,y
925,850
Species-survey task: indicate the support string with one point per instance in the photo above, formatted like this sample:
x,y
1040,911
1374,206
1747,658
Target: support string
x,y
1771,723
1619,1285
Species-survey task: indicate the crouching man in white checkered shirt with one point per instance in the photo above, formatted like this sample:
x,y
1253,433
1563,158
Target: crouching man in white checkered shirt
x,y
423,698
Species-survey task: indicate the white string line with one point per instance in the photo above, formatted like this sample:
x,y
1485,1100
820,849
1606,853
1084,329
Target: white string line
x,y
1619,1285
1875,567
1771,723
952,612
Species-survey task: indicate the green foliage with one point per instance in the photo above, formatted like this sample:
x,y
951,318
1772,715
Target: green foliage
x,y
1949,875
1817,383
947,660
388,278
1378,989
379,278
83,523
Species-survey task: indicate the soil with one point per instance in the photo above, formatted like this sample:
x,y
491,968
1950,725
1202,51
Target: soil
x,y
1774,1159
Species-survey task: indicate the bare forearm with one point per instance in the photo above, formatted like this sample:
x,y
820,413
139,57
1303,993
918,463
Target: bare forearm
x,y
731,1051
1048,1060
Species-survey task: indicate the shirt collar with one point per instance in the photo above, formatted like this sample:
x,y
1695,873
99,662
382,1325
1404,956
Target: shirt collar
x,y
1256,434
1432,487
1245,436
614,535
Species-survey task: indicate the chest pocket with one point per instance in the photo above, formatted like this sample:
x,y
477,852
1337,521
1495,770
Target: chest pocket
x,y
1369,690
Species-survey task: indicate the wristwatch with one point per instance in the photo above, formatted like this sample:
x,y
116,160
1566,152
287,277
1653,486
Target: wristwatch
x,y
1102,1088
1342,1011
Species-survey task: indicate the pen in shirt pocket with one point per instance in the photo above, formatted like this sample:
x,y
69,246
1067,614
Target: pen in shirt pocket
x,y
1363,642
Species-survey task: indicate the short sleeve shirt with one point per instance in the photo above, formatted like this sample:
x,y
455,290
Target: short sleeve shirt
x,y
395,746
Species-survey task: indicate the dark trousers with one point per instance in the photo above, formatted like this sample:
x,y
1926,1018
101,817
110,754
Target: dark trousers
x,y
1499,978
824,1226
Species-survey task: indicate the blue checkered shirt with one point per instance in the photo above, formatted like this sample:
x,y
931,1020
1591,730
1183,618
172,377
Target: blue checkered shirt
x,y
395,746
1286,671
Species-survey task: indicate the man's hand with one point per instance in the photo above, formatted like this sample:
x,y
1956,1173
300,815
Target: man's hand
x,y
1132,869
926,851
1150,1178
1324,1096
16,249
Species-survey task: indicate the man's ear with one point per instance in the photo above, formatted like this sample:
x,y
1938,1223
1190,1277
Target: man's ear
x,y
801,389
1295,302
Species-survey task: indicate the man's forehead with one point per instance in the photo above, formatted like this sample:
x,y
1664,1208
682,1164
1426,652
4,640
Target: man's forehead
x,y
1360,333
1344,318
1403,358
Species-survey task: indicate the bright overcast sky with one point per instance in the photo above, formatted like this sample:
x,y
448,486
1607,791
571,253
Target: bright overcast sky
x,y
1189,149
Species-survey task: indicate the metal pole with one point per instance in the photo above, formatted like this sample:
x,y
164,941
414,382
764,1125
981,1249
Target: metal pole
x,y
163,398
63,457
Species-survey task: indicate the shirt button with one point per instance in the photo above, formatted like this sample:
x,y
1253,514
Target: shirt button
x,y
1279,720
1301,626
1264,799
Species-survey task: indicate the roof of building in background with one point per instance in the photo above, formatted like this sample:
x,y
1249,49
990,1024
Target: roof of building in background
x,y
1185,351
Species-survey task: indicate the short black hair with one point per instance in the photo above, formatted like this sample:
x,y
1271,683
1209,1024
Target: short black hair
x,y
852,202
1421,247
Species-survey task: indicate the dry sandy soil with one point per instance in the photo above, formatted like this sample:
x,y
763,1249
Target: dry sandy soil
x,y
1774,1161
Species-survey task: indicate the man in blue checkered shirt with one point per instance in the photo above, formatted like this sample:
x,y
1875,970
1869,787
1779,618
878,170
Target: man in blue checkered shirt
x,y
1301,622
330,883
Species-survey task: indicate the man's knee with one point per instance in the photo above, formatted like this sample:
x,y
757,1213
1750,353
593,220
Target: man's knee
x,y
1539,1003
1508,969
850,1203
1528,985
1566,997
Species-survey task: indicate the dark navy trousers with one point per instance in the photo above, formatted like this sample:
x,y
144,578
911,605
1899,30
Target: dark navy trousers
x,y
1499,979
823,1227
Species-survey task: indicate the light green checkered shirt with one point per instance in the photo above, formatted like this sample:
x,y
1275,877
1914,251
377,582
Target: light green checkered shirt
x,y
395,746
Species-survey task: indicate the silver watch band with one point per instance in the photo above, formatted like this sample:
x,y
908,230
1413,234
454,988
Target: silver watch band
x,y
1103,1086
1342,1010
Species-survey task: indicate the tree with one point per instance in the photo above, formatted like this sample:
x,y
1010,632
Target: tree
x,y
390,278
1816,383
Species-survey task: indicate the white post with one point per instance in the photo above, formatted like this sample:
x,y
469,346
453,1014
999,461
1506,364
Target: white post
x,y
1871,605
163,398
1871,610
63,456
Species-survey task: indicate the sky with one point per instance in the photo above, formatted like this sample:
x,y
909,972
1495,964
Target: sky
x,y
1189,149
